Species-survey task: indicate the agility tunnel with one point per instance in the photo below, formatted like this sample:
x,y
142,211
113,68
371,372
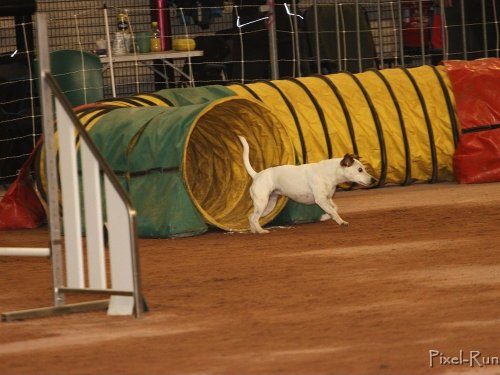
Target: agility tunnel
x,y
400,121
177,153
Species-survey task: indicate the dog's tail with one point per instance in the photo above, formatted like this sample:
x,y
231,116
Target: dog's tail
x,y
246,157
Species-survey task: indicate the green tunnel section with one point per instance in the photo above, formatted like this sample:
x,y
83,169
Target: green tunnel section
x,y
177,153
182,165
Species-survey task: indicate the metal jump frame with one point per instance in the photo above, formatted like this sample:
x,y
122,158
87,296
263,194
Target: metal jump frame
x,y
125,293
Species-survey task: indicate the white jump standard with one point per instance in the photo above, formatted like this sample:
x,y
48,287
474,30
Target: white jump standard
x,y
97,183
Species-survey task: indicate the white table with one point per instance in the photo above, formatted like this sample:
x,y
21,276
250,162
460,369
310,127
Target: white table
x,y
165,56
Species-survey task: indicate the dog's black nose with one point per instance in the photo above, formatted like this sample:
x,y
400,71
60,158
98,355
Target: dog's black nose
x,y
373,181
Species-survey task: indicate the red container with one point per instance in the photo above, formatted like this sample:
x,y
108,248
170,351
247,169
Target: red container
x,y
163,25
414,23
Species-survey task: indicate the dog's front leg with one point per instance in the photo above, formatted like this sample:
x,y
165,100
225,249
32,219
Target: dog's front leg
x,y
331,210
326,217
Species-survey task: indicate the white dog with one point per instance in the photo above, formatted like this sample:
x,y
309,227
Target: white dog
x,y
307,183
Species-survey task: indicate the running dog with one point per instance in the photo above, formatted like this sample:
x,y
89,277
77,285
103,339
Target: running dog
x,y
307,184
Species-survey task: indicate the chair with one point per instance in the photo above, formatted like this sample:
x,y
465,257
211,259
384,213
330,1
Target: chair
x,y
79,74
328,38
19,116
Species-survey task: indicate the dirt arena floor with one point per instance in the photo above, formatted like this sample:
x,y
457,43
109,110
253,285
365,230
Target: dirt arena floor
x,y
417,273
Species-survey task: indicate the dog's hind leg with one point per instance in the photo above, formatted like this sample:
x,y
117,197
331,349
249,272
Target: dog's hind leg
x,y
271,204
260,202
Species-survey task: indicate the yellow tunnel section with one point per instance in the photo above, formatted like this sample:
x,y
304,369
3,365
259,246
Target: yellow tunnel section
x,y
400,122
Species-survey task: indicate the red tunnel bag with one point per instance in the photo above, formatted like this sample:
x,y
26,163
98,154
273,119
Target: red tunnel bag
x,y
476,85
20,208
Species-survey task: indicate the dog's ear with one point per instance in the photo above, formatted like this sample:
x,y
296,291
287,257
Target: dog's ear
x,y
347,160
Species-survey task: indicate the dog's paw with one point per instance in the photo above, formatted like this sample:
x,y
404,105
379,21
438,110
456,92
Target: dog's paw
x,y
260,231
325,217
344,223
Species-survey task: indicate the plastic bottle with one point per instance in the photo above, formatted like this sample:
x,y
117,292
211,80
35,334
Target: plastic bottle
x,y
123,26
155,41
122,22
119,44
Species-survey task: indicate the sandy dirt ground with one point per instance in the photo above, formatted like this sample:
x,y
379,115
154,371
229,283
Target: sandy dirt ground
x,y
416,273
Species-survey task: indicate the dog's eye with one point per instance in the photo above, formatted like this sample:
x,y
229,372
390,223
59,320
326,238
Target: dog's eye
x,y
360,169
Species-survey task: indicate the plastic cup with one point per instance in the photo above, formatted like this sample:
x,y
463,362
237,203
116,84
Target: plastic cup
x,y
142,42
101,47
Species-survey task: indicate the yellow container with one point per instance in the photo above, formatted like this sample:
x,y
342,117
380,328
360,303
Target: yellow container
x,y
155,45
183,44
155,41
